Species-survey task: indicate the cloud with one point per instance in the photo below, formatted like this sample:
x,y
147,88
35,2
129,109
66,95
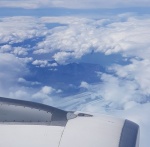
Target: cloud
x,y
43,63
19,94
12,83
20,51
5,48
40,63
84,85
47,90
113,93
26,3
10,69
138,71
46,95
11,66
83,4
127,34
17,29
26,59
62,57
123,34
25,82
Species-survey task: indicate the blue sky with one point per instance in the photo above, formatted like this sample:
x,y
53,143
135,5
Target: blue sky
x,y
91,56
5,11
84,4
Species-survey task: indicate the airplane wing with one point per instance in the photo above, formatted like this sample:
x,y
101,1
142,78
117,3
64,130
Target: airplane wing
x,y
29,124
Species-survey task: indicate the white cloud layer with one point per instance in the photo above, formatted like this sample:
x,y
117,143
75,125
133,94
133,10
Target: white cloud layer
x,y
10,69
84,85
43,63
124,93
32,4
82,36
18,29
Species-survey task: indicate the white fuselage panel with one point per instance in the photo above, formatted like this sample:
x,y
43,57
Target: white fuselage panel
x,y
92,132
30,135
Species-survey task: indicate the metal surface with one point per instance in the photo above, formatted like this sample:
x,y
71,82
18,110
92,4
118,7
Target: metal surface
x,y
101,131
24,112
129,135
13,113
30,135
